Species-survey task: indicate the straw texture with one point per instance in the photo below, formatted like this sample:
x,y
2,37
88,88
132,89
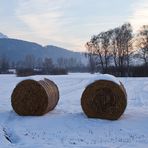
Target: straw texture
x,y
104,99
34,98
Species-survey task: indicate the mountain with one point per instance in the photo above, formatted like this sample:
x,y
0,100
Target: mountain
x,y
3,36
57,52
16,50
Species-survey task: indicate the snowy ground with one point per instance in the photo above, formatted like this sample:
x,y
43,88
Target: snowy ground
x,y
67,126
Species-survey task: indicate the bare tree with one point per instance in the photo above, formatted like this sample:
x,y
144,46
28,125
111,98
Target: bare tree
x,y
113,46
142,43
29,61
39,63
122,46
62,62
105,47
92,62
4,64
48,65
100,45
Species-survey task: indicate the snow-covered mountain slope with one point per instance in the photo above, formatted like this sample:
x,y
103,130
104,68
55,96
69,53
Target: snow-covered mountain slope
x,y
67,126
2,36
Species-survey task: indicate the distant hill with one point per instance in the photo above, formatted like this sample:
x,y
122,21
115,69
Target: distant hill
x,y
16,50
57,52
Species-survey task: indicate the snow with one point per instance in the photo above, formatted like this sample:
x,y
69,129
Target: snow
x,y
104,77
2,36
67,126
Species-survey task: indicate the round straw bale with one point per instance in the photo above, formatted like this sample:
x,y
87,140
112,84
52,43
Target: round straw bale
x,y
34,98
104,99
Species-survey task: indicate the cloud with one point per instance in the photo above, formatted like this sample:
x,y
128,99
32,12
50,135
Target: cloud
x,y
139,16
65,23
47,22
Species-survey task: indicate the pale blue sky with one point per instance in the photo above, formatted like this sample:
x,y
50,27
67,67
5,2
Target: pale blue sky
x,y
68,23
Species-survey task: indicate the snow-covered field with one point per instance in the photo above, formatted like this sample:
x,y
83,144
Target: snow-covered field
x,y
67,126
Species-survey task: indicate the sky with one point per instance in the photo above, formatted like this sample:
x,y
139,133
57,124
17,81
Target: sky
x,y
68,23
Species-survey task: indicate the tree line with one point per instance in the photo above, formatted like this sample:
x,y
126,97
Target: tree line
x,y
31,65
117,51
